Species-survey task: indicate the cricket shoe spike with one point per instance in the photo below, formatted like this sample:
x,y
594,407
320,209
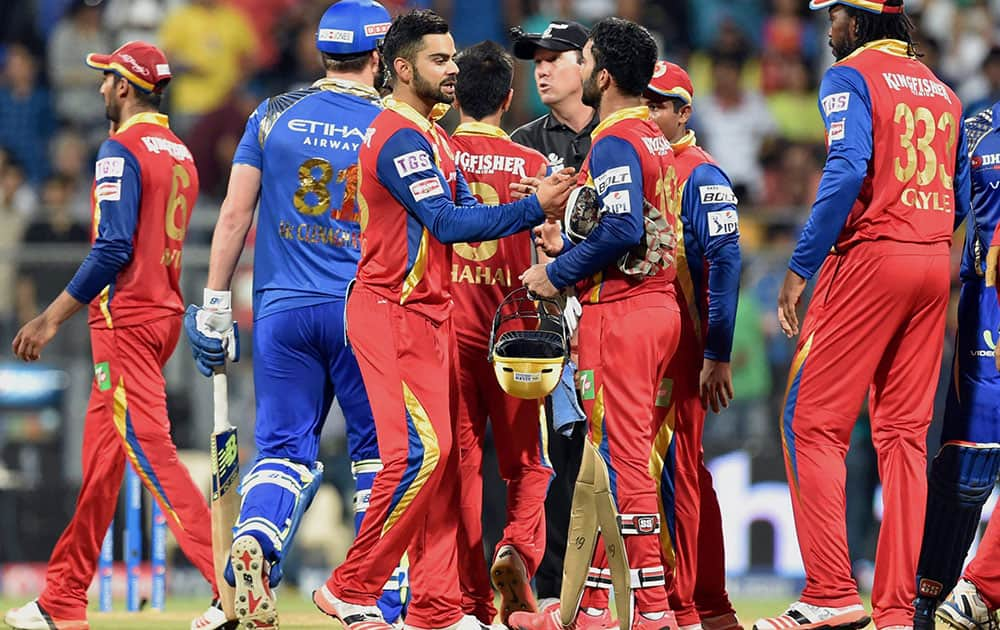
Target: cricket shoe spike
x,y
510,579
729,621
31,616
923,613
548,619
214,619
255,602
965,609
351,616
803,616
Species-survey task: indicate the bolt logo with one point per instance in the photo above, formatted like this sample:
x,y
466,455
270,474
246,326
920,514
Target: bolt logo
x,y
586,384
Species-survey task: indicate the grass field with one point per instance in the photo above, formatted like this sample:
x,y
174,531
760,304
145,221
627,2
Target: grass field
x,y
297,613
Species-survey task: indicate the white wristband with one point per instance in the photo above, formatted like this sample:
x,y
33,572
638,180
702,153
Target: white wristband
x,y
217,300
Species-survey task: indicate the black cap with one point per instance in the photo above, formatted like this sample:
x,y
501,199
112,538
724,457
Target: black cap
x,y
559,36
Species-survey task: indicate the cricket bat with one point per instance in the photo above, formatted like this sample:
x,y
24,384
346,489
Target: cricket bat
x,y
225,501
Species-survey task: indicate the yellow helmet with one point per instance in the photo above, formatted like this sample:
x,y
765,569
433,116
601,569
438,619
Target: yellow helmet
x,y
528,362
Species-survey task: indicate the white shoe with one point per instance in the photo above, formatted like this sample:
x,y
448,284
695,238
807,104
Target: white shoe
x,y
255,604
803,616
32,617
351,616
965,609
212,619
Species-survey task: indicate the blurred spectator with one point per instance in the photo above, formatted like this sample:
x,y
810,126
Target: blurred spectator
x,y
265,16
708,16
75,88
986,92
211,48
130,20
39,283
27,122
17,24
790,181
15,193
214,139
71,158
968,42
794,104
14,217
788,32
734,124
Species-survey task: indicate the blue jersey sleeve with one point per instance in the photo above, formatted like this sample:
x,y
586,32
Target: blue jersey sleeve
x,y
847,114
407,169
249,151
617,174
117,192
963,179
711,206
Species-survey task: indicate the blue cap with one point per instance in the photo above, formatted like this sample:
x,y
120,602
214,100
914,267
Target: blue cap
x,y
352,26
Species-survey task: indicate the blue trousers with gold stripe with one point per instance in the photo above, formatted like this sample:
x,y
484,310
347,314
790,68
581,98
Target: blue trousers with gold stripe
x,y
126,419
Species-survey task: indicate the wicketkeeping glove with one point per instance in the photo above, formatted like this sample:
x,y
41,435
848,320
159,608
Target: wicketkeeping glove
x,y
571,314
213,334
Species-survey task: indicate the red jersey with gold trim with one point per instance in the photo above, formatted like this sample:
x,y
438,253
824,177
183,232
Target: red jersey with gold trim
x,y
630,161
483,273
144,190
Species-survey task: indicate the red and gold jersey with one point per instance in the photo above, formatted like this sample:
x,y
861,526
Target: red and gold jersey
x,y
483,273
629,162
145,187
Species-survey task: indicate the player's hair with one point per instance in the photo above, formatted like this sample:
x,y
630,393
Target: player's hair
x,y
627,51
485,74
348,64
150,100
870,27
404,38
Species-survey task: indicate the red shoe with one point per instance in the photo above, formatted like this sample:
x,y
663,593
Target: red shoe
x,y
510,578
548,619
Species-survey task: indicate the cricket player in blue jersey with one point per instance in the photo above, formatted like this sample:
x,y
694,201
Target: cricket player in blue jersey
x,y
299,154
965,468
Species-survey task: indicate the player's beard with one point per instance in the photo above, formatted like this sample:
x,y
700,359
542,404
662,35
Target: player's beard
x,y
423,88
842,48
591,96
113,110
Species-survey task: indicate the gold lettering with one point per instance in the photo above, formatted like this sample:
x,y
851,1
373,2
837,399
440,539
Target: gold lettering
x,y
454,273
922,200
466,275
483,275
502,276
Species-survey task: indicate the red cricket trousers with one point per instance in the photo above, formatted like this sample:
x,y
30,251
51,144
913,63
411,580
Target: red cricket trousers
x,y
984,570
406,363
519,435
127,418
625,347
875,325
698,589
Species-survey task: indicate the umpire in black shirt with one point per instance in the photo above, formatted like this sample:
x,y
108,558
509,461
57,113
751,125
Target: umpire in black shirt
x,y
563,136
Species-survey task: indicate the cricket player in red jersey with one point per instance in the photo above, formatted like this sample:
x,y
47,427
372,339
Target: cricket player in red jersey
x,y
481,276
895,184
708,282
630,323
145,187
399,324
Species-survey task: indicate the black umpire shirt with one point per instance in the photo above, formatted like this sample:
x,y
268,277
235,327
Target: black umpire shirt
x,y
560,145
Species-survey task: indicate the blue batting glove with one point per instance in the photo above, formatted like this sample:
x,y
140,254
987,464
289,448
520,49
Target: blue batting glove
x,y
213,334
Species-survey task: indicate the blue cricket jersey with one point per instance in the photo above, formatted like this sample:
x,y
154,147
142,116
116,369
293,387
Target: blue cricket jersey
x,y
305,144
982,133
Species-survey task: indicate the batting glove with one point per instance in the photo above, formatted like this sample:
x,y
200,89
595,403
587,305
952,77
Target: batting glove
x,y
571,314
213,334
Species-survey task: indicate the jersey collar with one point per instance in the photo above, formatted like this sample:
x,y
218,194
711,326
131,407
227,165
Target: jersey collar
x,y
408,112
152,118
640,112
689,140
347,86
480,129
893,47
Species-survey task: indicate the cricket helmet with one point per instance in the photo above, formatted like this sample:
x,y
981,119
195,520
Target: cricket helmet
x,y
529,355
